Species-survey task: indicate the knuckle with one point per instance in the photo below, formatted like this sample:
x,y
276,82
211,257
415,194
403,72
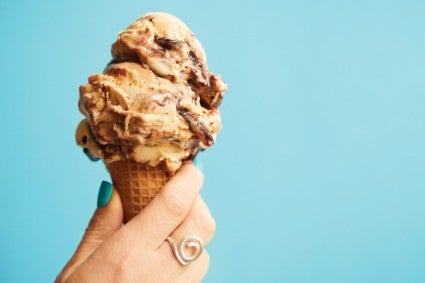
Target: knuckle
x,y
199,177
210,226
121,269
175,205
207,259
121,264
96,232
196,175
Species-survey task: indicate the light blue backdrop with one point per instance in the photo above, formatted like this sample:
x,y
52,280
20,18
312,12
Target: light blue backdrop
x,y
317,176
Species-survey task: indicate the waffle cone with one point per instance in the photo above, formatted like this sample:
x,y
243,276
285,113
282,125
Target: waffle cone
x,y
137,184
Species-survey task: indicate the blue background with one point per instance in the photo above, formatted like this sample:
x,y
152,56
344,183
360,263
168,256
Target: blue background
x,y
317,175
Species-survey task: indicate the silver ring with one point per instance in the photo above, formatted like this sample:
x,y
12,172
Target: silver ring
x,y
192,242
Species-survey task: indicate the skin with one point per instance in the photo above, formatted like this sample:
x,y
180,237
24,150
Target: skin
x,y
138,251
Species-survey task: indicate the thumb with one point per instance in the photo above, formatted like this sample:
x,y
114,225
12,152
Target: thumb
x,y
106,220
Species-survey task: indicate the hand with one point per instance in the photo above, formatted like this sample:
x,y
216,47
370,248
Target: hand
x,y
138,251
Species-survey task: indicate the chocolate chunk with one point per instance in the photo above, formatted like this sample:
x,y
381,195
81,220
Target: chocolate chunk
x,y
168,44
84,139
199,129
118,61
193,57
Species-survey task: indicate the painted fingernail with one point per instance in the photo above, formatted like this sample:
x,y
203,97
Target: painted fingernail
x,y
90,156
198,163
105,193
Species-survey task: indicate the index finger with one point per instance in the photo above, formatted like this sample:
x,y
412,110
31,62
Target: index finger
x,y
168,209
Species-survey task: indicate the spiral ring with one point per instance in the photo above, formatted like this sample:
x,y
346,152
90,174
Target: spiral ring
x,y
192,242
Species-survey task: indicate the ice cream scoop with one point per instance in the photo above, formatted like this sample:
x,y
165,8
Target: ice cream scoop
x,y
153,107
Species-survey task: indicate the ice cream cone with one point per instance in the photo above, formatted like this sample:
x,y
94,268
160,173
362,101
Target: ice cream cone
x,y
137,184
155,102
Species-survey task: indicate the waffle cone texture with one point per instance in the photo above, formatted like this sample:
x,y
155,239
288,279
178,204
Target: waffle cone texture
x,y
137,184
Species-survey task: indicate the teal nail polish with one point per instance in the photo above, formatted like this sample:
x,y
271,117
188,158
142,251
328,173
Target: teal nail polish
x,y
198,163
105,193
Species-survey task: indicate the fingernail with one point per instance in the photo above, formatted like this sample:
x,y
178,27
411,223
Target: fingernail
x,y
89,155
105,193
198,163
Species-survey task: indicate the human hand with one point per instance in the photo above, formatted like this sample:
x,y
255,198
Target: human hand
x,y
138,251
